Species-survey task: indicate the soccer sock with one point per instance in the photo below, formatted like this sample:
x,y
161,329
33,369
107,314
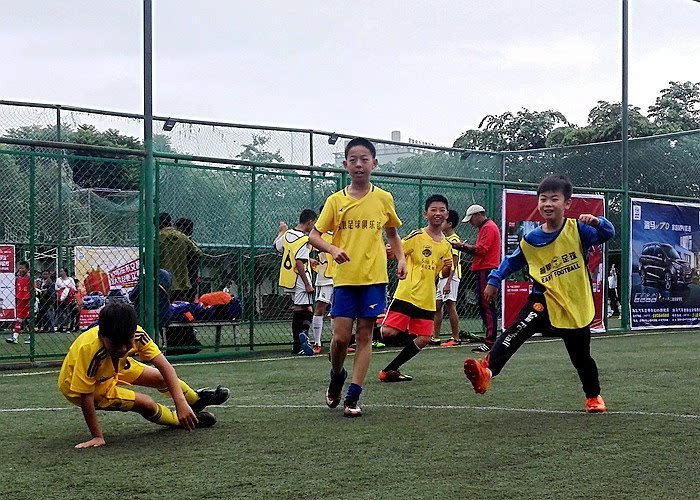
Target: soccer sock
x,y
164,416
353,394
337,381
297,327
406,353
318,327
190,394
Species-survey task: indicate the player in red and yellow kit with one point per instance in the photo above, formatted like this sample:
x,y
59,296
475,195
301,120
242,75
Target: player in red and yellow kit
x,y
99,364
428,255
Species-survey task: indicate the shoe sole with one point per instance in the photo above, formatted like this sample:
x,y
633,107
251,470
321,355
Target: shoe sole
x,y
351,414
198,408
472,373
596,410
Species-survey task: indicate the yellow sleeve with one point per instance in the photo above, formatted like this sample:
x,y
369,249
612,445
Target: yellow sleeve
x,y
146,348
326,221
408,246
390,208
80,382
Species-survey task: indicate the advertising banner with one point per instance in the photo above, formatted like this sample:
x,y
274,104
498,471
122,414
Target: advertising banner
x,y
104,274
7,282
665,262
520,216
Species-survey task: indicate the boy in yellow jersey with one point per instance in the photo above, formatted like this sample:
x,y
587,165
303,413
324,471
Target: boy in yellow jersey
x,y
356,215
428,255
295,277
99,364
448,287
324,291
561,302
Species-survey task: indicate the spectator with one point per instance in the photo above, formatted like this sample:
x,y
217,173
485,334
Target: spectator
x,y
612,293
487,257
23,283
176,252
46,290
186,227
65,288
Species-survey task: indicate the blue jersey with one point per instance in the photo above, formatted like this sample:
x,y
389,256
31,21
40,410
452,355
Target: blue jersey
x,y
590,236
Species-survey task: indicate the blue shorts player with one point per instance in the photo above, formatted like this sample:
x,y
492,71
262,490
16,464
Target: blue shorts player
x,y
356,215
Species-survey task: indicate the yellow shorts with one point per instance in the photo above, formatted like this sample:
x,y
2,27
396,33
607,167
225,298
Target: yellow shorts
x,y
111,395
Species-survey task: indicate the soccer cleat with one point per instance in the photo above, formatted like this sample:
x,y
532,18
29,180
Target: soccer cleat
x,y
481,348
27,340
352,409
335,389
435,341
377,345
394,376
208,397
451,343
317,349
478,374
306,348
204,419
595,405
11,340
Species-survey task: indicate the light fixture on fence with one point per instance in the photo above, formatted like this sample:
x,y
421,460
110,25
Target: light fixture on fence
x,y
333,138
169,124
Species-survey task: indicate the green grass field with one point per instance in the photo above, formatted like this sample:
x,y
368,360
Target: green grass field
x,y
526,438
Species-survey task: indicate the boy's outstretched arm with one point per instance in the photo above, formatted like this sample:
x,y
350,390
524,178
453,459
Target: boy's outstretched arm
x,y
392,234
510,264
339,255
87,404
185,414
595,230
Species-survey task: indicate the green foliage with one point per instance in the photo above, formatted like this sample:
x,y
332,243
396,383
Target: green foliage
x,y
677,108
255,151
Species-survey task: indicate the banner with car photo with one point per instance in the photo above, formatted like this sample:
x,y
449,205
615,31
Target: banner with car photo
x,y
520,216
665,261
103,274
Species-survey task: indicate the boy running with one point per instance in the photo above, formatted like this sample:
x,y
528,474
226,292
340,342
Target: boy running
x,y
356,215
561,301
99,365
428,255
448,287
295,277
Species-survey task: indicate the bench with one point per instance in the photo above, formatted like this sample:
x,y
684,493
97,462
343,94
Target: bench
x,y
216,324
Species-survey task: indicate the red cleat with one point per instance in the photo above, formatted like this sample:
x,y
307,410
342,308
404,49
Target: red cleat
x,y
317,349
595,405
478,374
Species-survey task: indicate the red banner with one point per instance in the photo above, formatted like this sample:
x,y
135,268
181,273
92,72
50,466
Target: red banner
x,y
520,216
7,282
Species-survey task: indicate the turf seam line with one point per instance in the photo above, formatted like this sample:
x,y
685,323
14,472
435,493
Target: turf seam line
x,y
407,407
538,340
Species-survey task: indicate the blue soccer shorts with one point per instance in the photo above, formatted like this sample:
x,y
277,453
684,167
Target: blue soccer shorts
x,y
359,301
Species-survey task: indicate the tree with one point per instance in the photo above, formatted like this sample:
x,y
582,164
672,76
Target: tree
x,y
255,151
510,132
677,108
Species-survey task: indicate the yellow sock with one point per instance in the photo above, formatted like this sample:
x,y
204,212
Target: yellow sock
x,y
190,394
165,416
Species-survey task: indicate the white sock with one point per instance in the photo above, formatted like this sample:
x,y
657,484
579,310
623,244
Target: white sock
x,y
317,327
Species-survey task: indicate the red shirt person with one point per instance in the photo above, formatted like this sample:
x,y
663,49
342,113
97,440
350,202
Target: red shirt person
x,y
23,283
487,256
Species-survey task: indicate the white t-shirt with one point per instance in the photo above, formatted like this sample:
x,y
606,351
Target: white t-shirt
x,y
612,281
65,283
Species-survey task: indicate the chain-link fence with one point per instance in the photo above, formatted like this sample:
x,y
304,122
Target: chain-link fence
x,y
81,207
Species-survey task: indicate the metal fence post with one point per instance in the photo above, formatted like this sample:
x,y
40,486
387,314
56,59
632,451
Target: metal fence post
x,y
311,148
626,223
251,264
59,208
420,201
32,254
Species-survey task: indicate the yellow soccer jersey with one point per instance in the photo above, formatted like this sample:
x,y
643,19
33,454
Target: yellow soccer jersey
x,y
326,267
456,254
357,229
424,261
87,364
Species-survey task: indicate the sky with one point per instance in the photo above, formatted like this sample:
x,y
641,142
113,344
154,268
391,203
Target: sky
x,y
431,69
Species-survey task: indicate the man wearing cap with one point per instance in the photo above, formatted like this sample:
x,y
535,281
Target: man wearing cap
x,y
487,256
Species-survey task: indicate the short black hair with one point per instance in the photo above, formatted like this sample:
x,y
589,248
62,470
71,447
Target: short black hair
x,y
117,321
453,218
64,269
185,226
306,215
23,263
436,198
360,141
557,184
164,220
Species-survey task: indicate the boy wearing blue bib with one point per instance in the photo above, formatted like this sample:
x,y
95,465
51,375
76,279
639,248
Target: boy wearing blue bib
x,y
561,302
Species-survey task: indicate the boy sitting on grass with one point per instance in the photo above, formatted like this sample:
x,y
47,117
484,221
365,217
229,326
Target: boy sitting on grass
x,y
99,364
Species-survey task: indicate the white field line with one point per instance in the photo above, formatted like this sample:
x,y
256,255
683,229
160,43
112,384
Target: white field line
x,y
407,407
537,340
